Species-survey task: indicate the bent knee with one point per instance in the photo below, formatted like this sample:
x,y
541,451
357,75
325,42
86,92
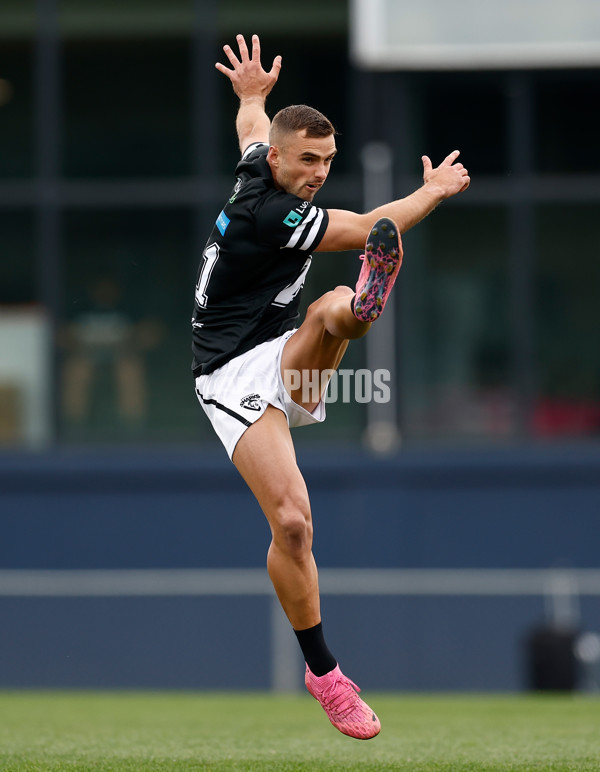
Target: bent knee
x,y
321,304
343,290
293,534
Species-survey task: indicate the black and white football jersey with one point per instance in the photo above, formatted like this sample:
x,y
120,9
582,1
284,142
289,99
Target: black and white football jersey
x,y
253,266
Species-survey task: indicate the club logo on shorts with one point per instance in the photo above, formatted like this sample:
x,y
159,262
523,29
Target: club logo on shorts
x,y
250,402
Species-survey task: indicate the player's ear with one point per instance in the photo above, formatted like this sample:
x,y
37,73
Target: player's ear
x,y
273,155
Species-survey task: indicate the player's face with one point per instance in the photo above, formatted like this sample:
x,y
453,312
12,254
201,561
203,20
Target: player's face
x,y
301,164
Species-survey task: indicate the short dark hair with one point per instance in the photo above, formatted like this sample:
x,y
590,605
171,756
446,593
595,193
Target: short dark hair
x,y
300,117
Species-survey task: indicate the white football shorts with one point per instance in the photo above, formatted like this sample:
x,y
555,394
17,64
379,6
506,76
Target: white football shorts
x,y
236,395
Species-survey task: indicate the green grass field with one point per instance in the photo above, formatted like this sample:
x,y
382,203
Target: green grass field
x,y
63,731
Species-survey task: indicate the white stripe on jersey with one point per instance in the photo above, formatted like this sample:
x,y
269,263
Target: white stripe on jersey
x,y
313,232
253,147
299,230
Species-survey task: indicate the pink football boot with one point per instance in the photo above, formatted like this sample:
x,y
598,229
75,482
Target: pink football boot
x,y
345,709
381,263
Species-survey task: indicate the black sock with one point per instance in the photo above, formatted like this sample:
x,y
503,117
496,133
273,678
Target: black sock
x,y
318,657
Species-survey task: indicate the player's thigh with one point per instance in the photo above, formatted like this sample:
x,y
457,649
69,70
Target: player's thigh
x,y
312,347
265,457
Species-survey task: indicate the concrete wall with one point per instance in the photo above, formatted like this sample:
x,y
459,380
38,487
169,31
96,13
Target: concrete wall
x,y
534,508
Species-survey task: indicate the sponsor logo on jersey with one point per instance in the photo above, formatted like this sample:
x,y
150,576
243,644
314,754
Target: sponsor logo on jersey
x,y
295,216
250,402
292,219
222,223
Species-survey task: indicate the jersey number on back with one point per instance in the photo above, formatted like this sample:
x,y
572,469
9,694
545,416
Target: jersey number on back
x,y
209,258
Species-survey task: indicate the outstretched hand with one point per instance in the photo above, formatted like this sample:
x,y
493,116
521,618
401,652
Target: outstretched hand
x,y
248,77
449,176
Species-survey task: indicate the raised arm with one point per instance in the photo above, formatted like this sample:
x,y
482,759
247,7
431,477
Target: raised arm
x,y
252,84
348,230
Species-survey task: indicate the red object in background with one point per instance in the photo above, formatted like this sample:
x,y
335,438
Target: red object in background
x,y
553,418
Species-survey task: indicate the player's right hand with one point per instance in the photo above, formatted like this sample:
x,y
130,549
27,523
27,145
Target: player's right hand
x,y
248,78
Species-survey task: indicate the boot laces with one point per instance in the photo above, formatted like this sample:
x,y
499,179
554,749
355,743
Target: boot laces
x,y
341,697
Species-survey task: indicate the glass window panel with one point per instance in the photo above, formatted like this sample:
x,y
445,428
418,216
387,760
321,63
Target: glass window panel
x,y
464,111
312,18
17,18
567,121
454,322
127,108
125,340
567,321
16,109
24,336
126,17
17,266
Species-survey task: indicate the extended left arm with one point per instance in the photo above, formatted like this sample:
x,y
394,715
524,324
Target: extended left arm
x,y
348,230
